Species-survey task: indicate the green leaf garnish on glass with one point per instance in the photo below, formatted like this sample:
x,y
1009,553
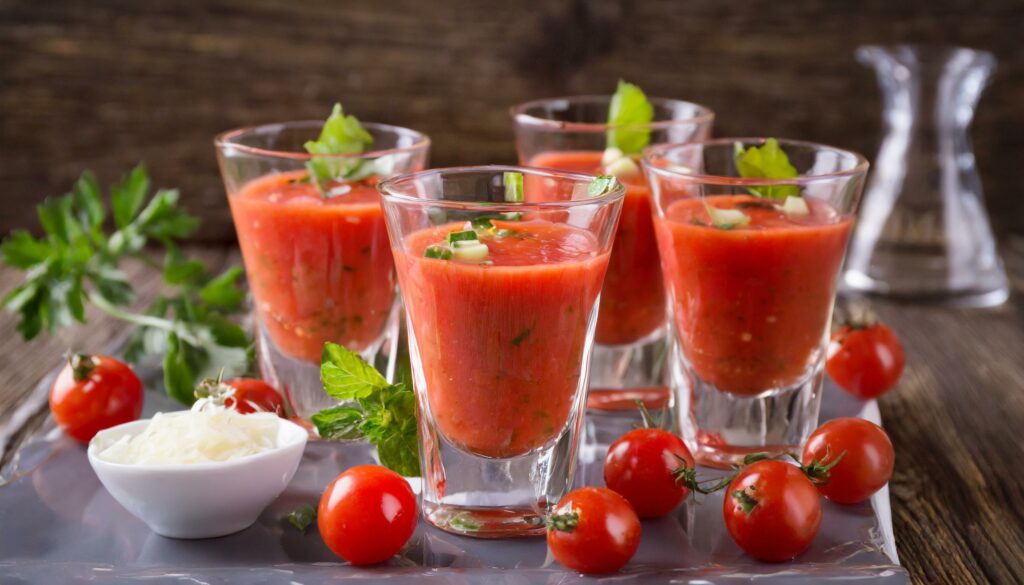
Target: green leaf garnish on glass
x,y
340,135
628,115
513,187
77,263
768,161
602,185
382,413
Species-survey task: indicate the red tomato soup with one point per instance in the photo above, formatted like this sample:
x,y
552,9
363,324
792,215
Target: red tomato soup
x,y
320,269
751,304
633,298
502,345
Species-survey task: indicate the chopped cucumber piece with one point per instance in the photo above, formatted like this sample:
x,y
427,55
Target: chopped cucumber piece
x,y
727,217
624,167
795,206
470,251
459,236
438,252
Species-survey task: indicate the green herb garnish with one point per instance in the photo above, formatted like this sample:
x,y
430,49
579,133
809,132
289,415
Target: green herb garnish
x,y
768,161
602,185
77,262
462,236
513,187
302,517
382,413
628,115
341,134
438,253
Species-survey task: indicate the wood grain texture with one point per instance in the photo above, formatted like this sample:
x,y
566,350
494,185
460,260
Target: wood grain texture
x,y
108,83
955,420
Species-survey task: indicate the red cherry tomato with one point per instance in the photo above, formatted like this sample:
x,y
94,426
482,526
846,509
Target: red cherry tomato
x,y
772,510
867,458
866,362
93,393
593,530
253,395
641,467
367,514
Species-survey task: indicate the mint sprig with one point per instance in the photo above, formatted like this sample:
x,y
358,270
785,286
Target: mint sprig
x,y
628,114
341,134
77,263
768,161
372,409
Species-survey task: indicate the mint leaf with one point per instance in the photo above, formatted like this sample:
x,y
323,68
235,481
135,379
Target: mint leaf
x,y
341,134
339,423
768,161
390,424
629,109
346,375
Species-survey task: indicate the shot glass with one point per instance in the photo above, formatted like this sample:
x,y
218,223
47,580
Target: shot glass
x,y
751,268
316,255
571,133
501,296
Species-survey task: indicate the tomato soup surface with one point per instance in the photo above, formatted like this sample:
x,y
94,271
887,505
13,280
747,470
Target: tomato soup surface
x,y
501,345
751,304
633,297
320,268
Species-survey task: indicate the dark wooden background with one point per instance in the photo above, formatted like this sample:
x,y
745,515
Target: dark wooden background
x,y
105,84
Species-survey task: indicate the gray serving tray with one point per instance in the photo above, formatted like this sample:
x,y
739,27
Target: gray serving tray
x,y
59,525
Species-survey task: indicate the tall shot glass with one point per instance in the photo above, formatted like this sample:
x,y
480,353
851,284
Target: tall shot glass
x,y
318,262
501,320
570,134
751,292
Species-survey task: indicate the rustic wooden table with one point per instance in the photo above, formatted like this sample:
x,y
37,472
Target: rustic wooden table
x,y
957,421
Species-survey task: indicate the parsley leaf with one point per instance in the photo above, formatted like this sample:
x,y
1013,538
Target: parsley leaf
x,y
341,134
382,413
77,262
768,161
628,114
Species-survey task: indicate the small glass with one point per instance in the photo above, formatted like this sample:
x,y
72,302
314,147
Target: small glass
x,y
500,344
319,267
750,304
570,134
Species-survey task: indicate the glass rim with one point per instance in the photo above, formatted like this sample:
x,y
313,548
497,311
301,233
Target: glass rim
x,y
519,115
860,168
390,192
228,139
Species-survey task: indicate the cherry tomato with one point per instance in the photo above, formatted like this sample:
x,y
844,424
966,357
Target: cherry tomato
x,y
867,458
367,514
641,467
92,393
772,510
865,361
253,395
593,530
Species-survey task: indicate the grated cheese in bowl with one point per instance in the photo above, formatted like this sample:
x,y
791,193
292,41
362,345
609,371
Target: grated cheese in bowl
x,y
205,434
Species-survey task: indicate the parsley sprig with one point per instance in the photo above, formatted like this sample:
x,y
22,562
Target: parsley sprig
x,y
77,262
629,115
768,161
341,134
372,409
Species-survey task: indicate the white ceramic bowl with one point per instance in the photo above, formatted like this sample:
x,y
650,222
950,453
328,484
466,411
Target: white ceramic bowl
x,y
201,500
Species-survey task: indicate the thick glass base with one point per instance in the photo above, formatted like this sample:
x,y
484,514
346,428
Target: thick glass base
x,y
467,494
622,374
299,380
994,290
721,428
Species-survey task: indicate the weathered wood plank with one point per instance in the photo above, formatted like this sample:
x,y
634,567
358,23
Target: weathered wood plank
x,y
105,84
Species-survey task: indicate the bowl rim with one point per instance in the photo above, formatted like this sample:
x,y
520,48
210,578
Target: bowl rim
x,y
301,434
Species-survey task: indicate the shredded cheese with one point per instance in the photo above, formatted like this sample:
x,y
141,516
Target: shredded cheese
x,y
201,435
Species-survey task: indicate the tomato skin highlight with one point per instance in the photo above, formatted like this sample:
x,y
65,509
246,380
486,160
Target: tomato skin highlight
x,y
606,534
866,362
110,394
785,518
252,395
639,467
367,514
866,465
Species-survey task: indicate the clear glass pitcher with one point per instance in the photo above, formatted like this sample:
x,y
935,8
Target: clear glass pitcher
x,y
923,232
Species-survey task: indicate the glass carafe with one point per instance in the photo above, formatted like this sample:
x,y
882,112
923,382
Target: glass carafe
x,y
923,232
